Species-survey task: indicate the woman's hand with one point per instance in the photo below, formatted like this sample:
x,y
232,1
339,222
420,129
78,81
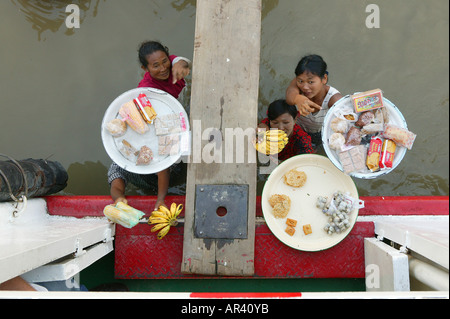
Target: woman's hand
x,y
180,70
305,106
121,199
160,202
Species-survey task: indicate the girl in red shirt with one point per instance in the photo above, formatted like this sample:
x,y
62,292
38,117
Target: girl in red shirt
x,y
282,116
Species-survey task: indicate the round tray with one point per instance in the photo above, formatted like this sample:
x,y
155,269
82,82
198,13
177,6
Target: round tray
x,y
395,117
164,104
323,179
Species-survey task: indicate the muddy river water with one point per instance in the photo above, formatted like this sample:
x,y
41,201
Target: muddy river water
x,y
59,75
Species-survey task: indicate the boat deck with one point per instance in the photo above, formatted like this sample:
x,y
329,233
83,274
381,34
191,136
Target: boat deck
x,y
139,255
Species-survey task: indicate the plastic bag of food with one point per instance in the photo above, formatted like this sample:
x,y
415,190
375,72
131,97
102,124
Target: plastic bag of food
x,y
399,135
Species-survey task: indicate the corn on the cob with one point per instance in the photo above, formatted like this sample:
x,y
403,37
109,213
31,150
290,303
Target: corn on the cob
x,y
131,211
133,118
120,217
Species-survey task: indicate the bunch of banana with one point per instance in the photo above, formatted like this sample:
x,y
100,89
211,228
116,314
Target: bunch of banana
x,y
164,218
271,142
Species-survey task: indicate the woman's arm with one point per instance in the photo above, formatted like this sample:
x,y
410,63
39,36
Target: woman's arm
x,y
163,187
180,68
118,191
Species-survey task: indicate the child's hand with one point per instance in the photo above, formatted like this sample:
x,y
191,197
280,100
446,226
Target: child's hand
x,y
305,106
180,70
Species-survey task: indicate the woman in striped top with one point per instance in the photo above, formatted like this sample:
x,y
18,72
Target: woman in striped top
x,y
311,94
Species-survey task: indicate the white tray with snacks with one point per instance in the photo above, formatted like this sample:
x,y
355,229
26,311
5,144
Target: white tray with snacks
x,y
333,135
323,179
167,136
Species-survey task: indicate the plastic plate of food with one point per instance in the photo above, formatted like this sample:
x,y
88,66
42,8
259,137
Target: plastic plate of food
x,y
157,144
315,219
340,123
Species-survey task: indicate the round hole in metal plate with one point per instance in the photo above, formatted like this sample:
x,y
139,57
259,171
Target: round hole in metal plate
x,y
221,211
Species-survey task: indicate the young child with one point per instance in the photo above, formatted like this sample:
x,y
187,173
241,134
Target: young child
x,y
311,94
282,116
165,72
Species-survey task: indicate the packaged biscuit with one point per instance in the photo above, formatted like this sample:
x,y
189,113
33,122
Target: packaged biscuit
x,y
387,154
399,135
368,100
374,153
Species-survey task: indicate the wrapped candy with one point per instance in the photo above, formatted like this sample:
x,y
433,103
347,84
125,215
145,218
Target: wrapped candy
x,y
116,127
339,125
336,141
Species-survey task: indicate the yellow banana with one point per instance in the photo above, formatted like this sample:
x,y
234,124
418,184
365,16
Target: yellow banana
x,y
271,142
163,232
173,209
157,213
163,218
179,209
158,227
164,210
157,220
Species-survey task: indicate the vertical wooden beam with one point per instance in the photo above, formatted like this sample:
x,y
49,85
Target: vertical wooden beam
x,y
224,95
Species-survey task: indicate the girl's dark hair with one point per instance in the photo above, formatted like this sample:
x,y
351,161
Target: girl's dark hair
x,y
312,63
279,107
149,47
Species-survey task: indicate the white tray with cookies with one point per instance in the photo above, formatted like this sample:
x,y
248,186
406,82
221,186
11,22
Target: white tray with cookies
x,y
299,182
156,145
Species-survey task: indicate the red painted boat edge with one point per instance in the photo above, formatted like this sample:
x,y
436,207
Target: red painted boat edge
x,y
243,295
92,205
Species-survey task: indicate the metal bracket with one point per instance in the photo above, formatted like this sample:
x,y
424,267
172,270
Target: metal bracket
x,y
221,211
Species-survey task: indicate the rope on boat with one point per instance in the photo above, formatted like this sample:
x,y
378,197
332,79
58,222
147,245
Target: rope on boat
x,y
22,198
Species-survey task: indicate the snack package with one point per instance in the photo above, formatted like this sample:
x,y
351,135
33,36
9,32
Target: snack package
x,y
399,135
365,118
387,154
374,153
145,156
134,119
339,125
127,149
116,127
368,100
336,141
354,159
353,136
145,107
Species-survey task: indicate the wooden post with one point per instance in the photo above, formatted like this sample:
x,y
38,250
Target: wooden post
x,y
224,96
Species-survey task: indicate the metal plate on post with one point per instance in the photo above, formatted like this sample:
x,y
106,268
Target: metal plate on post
x,y
221,211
